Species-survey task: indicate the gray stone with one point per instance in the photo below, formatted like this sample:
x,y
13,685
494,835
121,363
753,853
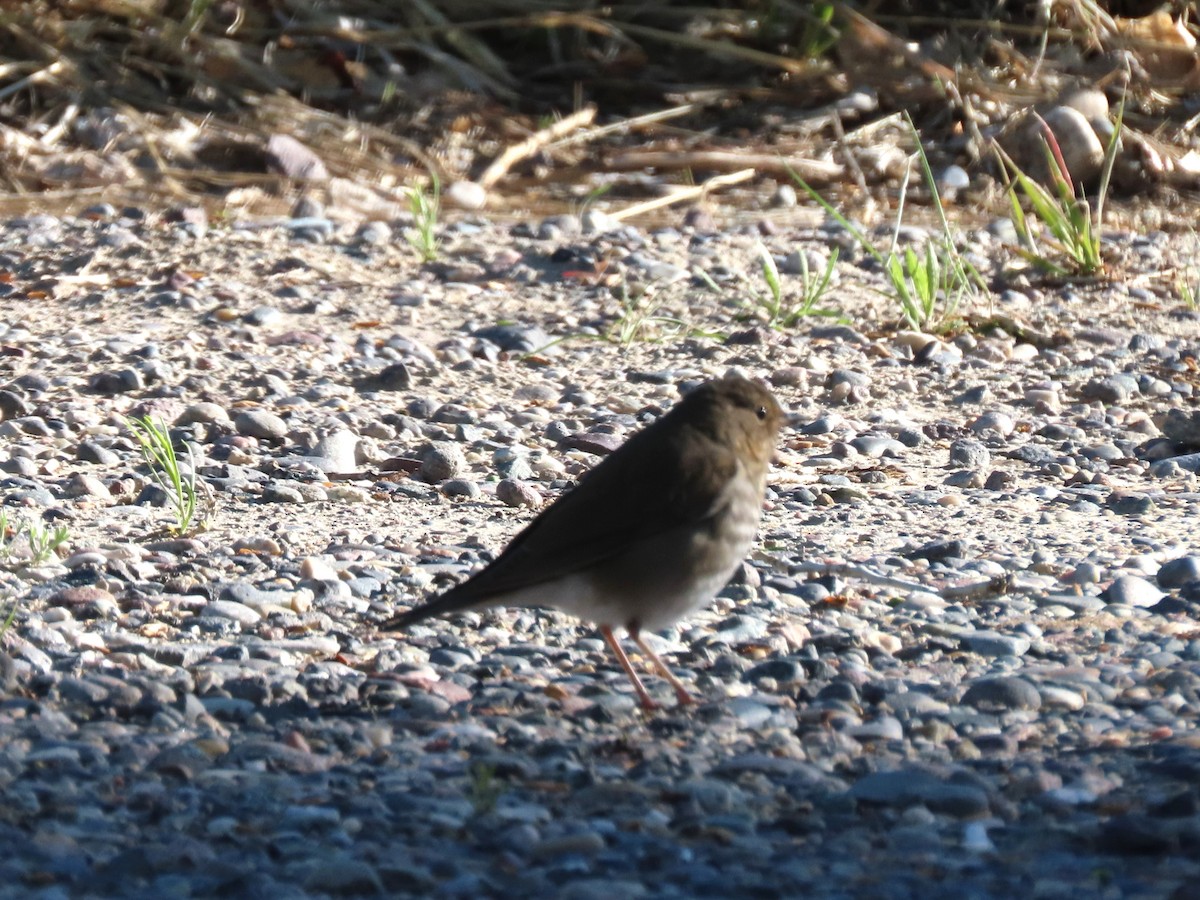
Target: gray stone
x,y
1183,427
344,876
994,422
878,446
205,413
238,612
259,423
514,492
969,454
1132,590
1003,692
907,787
460,487
337,450
1177,572
883,728
781,671
1111,389
441,461
991,643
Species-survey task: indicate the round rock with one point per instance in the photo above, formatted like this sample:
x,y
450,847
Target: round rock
x,y
259,423
966,453
441,461
1005,692
1131,590
1178,572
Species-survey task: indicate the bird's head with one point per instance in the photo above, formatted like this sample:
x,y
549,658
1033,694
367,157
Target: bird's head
x,y
739,412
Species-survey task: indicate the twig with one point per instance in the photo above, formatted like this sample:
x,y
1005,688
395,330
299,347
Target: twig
x,y
514,154
626,125
65,195
681,194
56,131
151,144
855,169
15,139
40,75
988,587
978,144
868,131
814,171
851,570
718,48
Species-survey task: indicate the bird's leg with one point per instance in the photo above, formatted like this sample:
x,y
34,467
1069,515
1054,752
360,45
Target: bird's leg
x,y
681,694
607,634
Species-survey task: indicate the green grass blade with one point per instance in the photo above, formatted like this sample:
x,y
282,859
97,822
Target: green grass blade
x,y
770,273
850,227
1110,158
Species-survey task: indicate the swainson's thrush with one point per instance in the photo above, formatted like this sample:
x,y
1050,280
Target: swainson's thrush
x,y
648,535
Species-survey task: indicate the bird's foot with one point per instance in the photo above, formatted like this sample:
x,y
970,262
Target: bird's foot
x,y
683,698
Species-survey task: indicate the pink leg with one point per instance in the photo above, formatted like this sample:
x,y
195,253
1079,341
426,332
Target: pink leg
x,y
606,633
681,694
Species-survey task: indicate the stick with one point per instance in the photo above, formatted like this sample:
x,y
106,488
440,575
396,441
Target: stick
x,y
863,573
37,77
626,125
814,171
50,138
514,154
855,169
681,194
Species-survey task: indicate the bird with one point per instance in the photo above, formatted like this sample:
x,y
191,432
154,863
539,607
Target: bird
x,y
647,536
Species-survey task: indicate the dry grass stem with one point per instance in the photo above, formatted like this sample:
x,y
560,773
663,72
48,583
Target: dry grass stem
x,y
535,142
812,170
679,195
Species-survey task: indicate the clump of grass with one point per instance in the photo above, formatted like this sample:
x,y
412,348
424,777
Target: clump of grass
x,y
782,313
9,618
634,323
639,319
425,208
486,790
590,198
942,275
1187,286
41,542
919,283
1060,234
178,483
1073,244
929,286
817,36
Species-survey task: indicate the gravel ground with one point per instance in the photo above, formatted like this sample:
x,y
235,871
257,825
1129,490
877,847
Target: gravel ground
x,y
963,660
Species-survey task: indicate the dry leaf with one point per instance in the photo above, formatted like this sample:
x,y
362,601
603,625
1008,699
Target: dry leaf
x,y
1164,46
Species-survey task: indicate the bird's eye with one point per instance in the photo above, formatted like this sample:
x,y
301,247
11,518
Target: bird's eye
x,y
761,412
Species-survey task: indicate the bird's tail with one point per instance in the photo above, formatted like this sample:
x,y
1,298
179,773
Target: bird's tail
x,y
452,601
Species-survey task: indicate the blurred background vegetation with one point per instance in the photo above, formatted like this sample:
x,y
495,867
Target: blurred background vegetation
x,y
177,99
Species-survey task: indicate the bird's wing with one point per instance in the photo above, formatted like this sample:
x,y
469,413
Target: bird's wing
x,y
643,489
